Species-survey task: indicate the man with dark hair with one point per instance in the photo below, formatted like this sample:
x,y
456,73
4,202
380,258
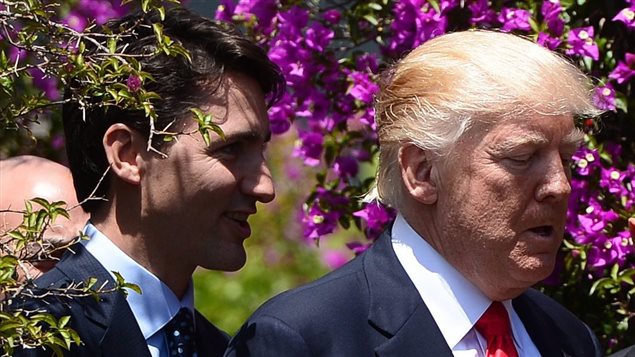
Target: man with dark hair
x,y
170,208
476,132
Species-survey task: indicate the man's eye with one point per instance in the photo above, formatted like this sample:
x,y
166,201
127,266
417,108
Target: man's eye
x,y
520,160
228,150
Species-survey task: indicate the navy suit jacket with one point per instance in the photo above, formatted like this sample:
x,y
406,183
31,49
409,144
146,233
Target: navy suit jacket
x,y
107,327
627,352
370,307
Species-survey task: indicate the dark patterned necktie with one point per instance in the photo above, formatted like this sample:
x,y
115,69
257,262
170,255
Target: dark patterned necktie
x,y
180,334
495,327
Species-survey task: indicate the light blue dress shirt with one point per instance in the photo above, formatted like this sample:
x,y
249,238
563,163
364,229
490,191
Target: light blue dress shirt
x,y
156,305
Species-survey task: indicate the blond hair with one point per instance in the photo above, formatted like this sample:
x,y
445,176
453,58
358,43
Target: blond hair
x,y
435,94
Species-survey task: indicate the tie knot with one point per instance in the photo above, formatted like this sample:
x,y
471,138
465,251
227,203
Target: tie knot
x,y
494,322
180,334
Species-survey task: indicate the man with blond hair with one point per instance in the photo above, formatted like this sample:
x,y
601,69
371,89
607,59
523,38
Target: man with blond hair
x,y
26,177
476,131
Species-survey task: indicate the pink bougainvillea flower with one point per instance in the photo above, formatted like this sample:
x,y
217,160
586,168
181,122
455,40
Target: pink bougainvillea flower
x,y
627,16
514,19
625,70
581,42
604,97
551,10
363,88
546,40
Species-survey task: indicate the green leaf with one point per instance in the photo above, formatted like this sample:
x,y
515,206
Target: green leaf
x,y
133,287
372,19
63,321
614,271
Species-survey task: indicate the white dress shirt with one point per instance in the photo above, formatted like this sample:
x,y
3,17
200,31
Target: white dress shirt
x,y
157,304
454,302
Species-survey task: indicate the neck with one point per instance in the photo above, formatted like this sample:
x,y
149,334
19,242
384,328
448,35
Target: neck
x,y
156,253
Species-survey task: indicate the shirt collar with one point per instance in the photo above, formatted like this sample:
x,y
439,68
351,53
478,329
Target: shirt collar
x,y
454,302
157,304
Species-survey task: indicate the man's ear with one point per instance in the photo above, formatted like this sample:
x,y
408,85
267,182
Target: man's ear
x,y
416,173
123,147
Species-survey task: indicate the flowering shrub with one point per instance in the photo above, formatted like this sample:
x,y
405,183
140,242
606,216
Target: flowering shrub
x,y
331,55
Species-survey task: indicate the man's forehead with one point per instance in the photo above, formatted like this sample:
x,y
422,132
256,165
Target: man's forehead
x,y
538,130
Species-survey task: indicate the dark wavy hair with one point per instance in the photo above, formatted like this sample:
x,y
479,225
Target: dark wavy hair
x,y
216,49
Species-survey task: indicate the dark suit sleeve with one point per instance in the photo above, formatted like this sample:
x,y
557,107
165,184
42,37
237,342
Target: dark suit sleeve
x,y
627,352
267,336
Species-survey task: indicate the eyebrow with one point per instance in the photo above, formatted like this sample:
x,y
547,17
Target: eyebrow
x,y
573,139
515,142
243,136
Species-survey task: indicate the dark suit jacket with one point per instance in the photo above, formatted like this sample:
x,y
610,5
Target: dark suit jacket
x,y
107,327
370,307
627,352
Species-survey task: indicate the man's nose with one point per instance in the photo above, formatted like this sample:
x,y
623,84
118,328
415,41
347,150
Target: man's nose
x,y
260,184
555,184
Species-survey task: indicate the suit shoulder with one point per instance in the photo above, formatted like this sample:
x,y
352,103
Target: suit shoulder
x,y
322,297
544,316
554,309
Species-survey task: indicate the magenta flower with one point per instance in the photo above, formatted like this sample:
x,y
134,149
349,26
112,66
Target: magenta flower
x,y
292,22
318,223
627,16
581,42
367,62
76,21
482,14
363,88
280,115
586,161
604,97
322,216
345,167
625,70
318,37
309,148
48,85
134,83
225,10
514,19
262,10
547,41
415,22
375,215
612,180
100,10
551,10
332,16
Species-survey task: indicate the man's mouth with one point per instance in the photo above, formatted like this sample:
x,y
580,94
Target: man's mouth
x,y
239,217
543,231
240,220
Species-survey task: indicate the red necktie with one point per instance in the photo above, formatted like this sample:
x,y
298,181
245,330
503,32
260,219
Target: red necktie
x,y
494,326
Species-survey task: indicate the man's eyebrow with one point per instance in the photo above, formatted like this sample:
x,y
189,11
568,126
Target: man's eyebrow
x,y
244,136
574,138
514,142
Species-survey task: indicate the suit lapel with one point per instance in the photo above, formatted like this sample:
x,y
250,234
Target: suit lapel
x,y
210,341
396,308
543,334
111,317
